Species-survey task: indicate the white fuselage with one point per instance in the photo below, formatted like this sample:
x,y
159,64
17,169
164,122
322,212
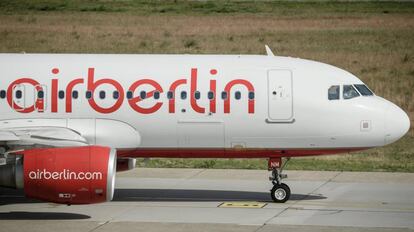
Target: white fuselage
x,y
283,102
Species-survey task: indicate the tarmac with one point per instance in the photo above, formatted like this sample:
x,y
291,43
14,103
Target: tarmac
x,y
226,200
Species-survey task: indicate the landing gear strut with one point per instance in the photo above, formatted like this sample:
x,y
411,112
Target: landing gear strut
x,y
280,192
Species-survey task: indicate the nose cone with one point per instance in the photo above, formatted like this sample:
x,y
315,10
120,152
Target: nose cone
x,y
397,123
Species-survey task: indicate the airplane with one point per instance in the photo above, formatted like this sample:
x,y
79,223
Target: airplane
x,y
69,122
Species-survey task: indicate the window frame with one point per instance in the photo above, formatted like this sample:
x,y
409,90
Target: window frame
x,y
143,94
251,95
102,94
366,87
157,95
211,95
18,94
40,94
3,94
88,94
75,94
183,95
224,95
170,95
339,93
237,95
130,94
197,95
115,94
61,94
352,87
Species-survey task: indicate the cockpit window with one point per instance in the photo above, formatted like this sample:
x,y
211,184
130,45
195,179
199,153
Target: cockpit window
x,y
363,89
333,92
349,92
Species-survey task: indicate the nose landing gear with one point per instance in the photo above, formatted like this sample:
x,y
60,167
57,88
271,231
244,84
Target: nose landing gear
x,y
280,192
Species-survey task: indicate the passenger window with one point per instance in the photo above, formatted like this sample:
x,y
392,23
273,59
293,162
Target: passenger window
x,y
75,94
102,94
183,95
237,95
88,95
40,94
19,94
251,95
170,95
143,94
156,95
3,94
349,92
363,89
210,95
197,95
61,94
115,95
129,95
333,92
224,95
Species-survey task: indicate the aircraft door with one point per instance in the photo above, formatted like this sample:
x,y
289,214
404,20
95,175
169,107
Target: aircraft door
x,y
26,98
280,96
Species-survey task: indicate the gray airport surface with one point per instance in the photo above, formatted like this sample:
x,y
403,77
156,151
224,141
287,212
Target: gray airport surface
x,y
192,200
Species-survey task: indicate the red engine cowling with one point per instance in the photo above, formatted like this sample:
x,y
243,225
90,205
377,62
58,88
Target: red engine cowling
x,y
76,175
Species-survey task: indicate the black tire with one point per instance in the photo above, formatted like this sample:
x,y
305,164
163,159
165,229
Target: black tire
x,y
280,193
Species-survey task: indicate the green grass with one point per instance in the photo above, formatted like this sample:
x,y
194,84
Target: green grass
x,y
282,8
374,40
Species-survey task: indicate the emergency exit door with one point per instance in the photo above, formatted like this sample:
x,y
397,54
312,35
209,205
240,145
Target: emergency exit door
x,y
280,96
29,98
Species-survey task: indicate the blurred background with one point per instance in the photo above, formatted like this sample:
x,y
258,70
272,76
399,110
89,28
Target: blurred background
x,y
372,39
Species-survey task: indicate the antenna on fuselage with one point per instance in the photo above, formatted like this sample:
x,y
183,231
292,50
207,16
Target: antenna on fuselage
x,y
269,51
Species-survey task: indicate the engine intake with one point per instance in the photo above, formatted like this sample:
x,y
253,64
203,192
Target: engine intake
x,y
11,173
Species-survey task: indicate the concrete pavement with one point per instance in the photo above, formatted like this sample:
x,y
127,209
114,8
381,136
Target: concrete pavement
x,y
189,200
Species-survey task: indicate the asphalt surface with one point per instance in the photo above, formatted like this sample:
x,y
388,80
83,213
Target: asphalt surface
x,y
195,200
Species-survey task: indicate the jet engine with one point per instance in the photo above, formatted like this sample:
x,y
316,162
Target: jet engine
x,y
75,175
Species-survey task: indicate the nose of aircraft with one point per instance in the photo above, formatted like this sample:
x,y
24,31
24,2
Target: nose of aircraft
x,y
397,123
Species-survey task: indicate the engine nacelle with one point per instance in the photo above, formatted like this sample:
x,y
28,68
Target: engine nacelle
x,y
75,175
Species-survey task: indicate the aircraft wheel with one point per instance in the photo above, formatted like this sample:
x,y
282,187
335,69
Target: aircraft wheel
x,y
280,193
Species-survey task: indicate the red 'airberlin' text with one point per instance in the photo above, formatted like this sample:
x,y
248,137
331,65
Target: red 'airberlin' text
x,y
93,83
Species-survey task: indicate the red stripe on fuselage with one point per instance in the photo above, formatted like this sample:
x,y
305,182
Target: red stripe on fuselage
x,y
229,153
